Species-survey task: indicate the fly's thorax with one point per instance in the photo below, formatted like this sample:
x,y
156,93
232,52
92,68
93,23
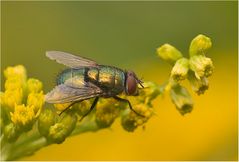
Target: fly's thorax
x,y
68,74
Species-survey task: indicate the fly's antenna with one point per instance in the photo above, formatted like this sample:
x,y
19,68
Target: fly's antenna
x,y
140,82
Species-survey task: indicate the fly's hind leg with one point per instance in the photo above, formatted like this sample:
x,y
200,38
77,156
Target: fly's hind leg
x,y
131,108
91,108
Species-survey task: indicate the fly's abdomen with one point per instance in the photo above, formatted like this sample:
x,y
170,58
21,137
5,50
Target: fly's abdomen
x,y
108,78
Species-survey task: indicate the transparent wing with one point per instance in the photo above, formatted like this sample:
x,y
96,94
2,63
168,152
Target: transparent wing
x,y
74,89
70,60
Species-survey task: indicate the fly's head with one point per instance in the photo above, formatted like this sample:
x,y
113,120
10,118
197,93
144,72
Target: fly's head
x,y
131,84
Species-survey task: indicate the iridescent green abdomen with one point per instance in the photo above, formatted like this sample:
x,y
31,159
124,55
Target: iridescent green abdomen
x,y
110,79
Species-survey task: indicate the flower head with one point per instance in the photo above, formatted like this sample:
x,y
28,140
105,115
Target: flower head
x,y
180,69
201,65
34,85
36,100
13,83
200,45
18,71
169,53
12,97
23,116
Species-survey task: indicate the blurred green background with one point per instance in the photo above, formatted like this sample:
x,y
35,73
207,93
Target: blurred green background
x,y
126,35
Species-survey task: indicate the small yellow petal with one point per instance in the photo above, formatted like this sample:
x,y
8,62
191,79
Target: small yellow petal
x,y
12,97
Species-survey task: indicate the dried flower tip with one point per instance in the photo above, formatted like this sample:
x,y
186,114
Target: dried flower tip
x,y
18,71
12,97
198,85
46,119
182,99
169,53
23,116
201,65
200,45
180,69
36,100
34,85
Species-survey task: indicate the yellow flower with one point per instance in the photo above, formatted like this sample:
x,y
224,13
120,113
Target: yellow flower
x,y
34,85
36,100
23,115
12,97
180,69
201,65
13,83
18,71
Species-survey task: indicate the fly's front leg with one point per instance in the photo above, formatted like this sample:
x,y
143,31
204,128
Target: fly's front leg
x,y
131,108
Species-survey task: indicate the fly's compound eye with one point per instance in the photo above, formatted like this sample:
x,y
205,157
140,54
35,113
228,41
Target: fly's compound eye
x,y
131,85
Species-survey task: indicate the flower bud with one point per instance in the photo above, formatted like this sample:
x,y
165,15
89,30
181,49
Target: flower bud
x,y
201,65
23,116
34,85
11,133
18,71
12,97
130,120
46,119
200,45
181,98
198,85
36,100
106,112
83,107
62,129
169,53
180,69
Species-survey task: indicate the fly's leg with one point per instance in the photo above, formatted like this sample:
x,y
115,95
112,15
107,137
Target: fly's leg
x,y
131,108
68,107
91,108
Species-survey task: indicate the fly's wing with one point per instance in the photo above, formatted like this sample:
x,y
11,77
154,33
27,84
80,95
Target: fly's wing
x,y
74,89
70,60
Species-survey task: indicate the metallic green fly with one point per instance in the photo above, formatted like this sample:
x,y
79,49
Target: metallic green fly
x,y
85,79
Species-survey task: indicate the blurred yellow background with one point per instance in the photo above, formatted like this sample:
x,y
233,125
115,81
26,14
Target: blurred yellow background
x,y
126,34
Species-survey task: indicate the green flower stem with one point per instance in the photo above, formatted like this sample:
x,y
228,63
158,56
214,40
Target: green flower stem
x,y
27,144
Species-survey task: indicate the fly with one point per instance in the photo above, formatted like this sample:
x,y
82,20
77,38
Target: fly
x,y
85,79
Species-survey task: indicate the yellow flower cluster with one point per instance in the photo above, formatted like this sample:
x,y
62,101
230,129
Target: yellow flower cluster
x,y
197,68
22,99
